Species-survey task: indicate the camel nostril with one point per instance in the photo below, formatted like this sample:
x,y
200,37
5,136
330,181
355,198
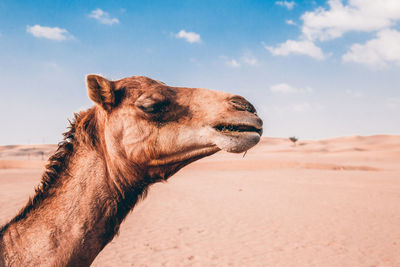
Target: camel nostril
x,y
242,104
259,122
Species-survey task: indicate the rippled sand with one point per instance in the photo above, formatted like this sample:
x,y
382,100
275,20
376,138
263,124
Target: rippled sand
x,y
332,202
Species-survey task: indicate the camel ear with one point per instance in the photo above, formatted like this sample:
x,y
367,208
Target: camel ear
x,y
101,91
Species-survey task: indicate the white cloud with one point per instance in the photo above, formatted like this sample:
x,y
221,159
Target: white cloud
x,y
249,59
103,17
233,63
343,16
190,37
288,4
52,33
357,15
376,53
303,47
284,88
290,22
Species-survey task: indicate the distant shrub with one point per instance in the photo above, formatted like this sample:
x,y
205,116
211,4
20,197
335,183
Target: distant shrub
x,y
293,139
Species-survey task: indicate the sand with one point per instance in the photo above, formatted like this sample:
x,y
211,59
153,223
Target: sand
x,y
332,202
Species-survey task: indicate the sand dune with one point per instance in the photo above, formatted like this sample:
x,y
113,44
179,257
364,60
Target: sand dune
x,y
331,202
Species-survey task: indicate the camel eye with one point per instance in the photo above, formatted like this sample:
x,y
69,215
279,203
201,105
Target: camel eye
x,y
152,104
154,107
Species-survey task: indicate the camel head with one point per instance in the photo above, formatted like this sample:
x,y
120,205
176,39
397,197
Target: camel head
x,y
163,128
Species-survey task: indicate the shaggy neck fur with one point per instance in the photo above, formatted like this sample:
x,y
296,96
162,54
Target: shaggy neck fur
x,y
79,206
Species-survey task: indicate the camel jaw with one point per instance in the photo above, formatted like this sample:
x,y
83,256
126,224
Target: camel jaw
x,y
171,164
238,136
184,157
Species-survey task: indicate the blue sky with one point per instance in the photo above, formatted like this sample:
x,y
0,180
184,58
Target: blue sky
x,y
313,69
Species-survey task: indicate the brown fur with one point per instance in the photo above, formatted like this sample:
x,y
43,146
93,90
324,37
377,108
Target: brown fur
x,y
141,132
59,161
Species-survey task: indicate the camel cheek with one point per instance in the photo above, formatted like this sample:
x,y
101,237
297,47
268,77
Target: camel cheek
x,y
139,140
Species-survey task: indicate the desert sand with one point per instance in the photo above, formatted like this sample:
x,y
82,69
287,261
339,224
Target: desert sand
x,y
331,202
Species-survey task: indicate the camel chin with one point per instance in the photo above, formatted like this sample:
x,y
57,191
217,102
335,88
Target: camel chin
x,y
237,142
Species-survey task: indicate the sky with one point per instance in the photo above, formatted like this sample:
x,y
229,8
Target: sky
x,y
313,69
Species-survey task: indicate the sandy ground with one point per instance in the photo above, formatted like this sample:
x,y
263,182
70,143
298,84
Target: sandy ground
x,y
321,203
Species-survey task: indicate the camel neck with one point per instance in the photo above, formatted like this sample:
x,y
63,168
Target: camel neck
x,y
76,219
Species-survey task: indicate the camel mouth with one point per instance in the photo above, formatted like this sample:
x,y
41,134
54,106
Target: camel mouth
x,y
237,129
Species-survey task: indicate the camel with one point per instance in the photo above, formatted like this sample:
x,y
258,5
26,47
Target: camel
x,y
140,131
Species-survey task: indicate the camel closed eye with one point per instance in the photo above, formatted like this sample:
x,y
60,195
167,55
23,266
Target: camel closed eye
x,y
152,104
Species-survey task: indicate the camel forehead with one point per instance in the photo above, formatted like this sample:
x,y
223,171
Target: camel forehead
x,y
138,85
138,82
